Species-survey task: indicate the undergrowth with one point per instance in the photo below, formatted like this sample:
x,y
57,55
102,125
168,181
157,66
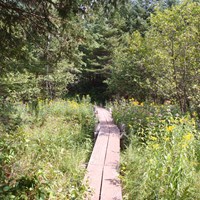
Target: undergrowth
x,y
160,158
44,158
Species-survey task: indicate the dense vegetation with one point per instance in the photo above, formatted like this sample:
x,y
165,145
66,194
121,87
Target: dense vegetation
x,y
161,159
148,50
45,157
55,52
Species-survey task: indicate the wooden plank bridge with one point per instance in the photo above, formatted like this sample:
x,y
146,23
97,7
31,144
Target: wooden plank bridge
x,y
102,170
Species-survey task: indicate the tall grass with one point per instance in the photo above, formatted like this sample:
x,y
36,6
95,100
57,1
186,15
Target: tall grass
x,y
45,157
161,155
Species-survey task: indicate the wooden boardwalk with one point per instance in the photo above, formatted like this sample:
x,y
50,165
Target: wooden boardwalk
x,y
102,171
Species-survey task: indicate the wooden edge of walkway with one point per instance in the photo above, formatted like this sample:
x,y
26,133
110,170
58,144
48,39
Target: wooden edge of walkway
x,y
103,168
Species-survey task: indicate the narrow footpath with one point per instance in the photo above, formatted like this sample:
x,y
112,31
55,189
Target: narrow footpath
x,y
103,167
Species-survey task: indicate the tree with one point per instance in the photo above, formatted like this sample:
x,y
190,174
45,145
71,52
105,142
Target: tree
x,y
129,74
102,34
27,31
174,45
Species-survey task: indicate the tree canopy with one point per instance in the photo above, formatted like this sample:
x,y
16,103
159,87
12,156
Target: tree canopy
x,y
146,49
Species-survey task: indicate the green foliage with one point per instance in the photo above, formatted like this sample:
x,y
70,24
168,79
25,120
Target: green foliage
x,y
9,118
129,75
101,38
39,42
45,157
161,157
162,63
139,118
173,43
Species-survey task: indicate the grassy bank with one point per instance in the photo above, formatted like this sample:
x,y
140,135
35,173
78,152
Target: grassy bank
x,y
161,156
45,156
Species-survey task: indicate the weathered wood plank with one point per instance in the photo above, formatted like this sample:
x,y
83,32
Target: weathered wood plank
x,y
99,151
102,171
111,187
113,151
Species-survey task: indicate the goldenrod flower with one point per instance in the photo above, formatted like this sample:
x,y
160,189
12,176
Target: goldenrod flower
x,y
188,137
135,103
170,128
155,146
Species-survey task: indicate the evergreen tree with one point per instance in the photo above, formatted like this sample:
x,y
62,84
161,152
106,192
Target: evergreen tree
x,y
102,38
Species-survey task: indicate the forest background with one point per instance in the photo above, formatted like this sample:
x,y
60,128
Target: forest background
x,y
141,51
148,50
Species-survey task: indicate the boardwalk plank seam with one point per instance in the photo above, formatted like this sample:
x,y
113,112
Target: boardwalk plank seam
x,y
102,171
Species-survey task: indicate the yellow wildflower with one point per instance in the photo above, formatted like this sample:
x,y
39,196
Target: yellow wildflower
x,y
170,128
188,137
142,104
135,103
182,120
155,146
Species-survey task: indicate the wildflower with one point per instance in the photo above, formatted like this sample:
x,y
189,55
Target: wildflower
x,y
170,128
188,137
135,103
123,168
155,146
142,104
